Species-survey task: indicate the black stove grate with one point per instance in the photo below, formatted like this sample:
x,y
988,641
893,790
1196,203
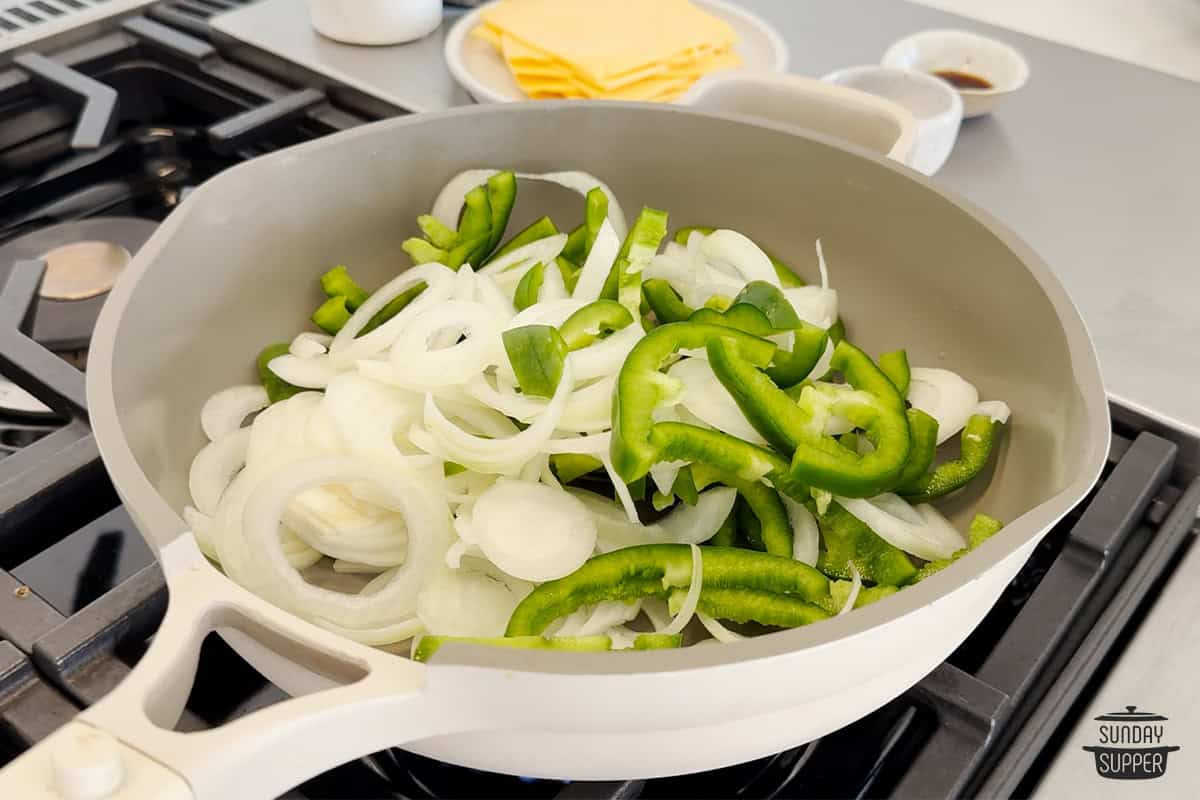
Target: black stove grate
x,y
80,592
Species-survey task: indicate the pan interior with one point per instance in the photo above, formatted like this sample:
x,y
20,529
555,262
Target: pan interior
x,y
236,268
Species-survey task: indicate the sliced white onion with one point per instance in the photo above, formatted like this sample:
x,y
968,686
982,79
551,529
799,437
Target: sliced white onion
x,y
589,409
307,345
814,304
620,488
594,444
741,253
416,364
369,415
452,196
201,525
806,535
348,347
314,372
823,364
943,395
553,287
821,266
692,598
597,619
427,530
563,537
225,411
539,251
598,264
717,630
464,285
214,467
706,397
855,588
467,602
378,635
605,356
657,612
343,567
995,410
503,456
341,526
695,524
903,526
488,293
622,638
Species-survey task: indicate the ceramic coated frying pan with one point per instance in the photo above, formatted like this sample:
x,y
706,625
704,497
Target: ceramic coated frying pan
x,y
234,268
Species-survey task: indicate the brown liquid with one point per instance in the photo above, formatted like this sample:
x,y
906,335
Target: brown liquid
x,y
962,80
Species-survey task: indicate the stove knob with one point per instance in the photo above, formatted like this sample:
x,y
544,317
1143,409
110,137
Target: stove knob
x,y
87,765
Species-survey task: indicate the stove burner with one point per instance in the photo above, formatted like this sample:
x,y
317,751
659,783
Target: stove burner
x,y
81,270
83,259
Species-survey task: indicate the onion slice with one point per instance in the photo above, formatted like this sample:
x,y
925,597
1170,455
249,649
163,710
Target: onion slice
x,y
806,535
717,630
348,347
561,539
739,252
598,264
692,598
945,396
814,304
468,602
415,364
908,528
214,468
706,398
225,411
855,588
314,372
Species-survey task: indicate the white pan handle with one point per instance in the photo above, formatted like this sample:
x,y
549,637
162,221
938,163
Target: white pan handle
x,y
124,746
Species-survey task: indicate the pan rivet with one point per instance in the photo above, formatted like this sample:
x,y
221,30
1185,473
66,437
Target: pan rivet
x,y
21,591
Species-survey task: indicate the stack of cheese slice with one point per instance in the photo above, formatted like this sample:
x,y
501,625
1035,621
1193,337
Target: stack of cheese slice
x,y
613,49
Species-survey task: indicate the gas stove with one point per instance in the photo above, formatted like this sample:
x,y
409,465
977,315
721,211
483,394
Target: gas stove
x,y
100,138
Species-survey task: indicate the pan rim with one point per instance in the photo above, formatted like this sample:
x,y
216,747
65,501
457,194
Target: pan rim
x,y
150,509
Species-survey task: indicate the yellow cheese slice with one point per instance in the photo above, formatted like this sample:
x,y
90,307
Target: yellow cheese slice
x,y
613,39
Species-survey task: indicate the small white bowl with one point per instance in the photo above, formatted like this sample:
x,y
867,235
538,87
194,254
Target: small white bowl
x,y
375,22
999,64
935,104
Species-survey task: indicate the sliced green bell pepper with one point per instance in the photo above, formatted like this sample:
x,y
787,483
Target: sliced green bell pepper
x,y
683,487
428,645
923,429
573,250
683,442
587,324
895,366
538,229
337,282
839,593
437,233
726,535
753,605
501,195
331,315
846,540
624,282
422,252
393,307
569,466
277,388
766,407
595,212
569,272
873,405
652,570
982,528
537,354
530,285
476,225
664,301
641,387
658,641
977,439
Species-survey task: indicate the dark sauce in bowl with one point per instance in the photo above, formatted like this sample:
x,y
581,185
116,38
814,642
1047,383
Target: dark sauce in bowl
x,y
963,80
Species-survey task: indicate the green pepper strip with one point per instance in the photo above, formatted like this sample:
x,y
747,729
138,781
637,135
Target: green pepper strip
x,y
895,366
569,272
767,408
437,233
982,528
768,527
846,540
476,225
787,278
277,388
665,302
683,487
839,593
652,570
658,641
331,315
501,195
538,229
529,286
573,250
337,282
624,282
923,429
753,605
683,442
877,408
537,354
428,645
837,333
749,527
977,440
641,387
587,324
422,252
595,212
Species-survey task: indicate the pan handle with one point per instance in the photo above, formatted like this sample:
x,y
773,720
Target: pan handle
x,y
124,747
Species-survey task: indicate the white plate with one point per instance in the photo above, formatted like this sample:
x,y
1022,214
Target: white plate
x,y
481,71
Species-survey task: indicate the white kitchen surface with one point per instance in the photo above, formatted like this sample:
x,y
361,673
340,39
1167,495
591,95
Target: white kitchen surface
x,y
1159,34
